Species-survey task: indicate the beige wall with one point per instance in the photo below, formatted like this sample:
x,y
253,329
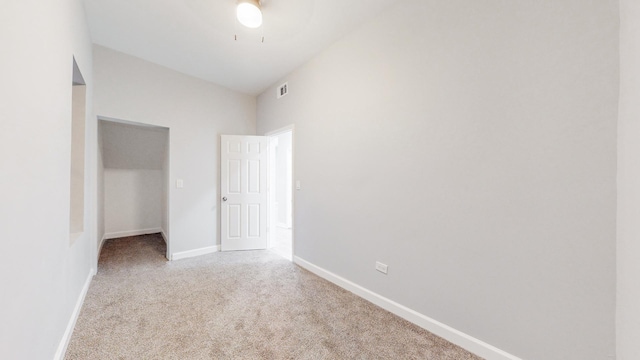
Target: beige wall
x,y
628,294
471,146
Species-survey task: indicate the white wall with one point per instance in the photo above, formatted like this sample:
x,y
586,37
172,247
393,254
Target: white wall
x,y
196,112
132,200
78,141
471,146
41,274
134,159
628,260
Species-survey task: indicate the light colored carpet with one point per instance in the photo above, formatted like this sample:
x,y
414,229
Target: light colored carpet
x,y
282,242
233,305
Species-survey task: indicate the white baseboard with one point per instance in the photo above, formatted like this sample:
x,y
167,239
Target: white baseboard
x,y
104,237
457,337
119,234
196,252
164,236
64,343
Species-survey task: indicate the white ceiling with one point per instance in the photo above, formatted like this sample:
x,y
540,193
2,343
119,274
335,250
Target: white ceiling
x,y
196,37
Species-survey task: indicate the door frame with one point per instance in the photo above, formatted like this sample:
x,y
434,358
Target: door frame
x,y
270,231
166,177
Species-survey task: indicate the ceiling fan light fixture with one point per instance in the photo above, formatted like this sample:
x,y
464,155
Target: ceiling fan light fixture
x,y
249,13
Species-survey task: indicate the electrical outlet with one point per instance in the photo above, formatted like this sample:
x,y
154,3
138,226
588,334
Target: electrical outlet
x,y
381,267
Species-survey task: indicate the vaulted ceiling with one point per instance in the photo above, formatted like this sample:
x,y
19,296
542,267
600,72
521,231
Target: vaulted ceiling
x,y
202,38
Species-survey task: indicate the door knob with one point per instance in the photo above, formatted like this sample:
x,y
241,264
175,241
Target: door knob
x,y
224,198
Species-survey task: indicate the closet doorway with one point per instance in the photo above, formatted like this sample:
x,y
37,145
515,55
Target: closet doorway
x,y
133,180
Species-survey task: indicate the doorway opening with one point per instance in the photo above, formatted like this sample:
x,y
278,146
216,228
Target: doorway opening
x,y
281,192
133,180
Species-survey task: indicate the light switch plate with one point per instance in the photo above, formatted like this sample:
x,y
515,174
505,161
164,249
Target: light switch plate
x,y
179,183
383,268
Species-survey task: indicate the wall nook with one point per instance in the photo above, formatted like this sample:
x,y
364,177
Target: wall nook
x,y
78,115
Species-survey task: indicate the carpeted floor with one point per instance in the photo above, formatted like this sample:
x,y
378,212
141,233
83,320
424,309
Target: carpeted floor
x,y
233,305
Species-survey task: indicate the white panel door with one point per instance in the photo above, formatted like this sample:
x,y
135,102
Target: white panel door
x,y
243,192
